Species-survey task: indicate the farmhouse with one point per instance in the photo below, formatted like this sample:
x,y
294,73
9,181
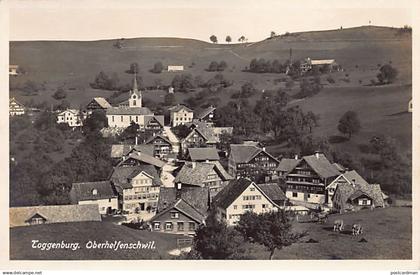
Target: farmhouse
x,y
307,178
137,187
250,161
72,117
32,215
119,151
100,193
327,65
15,107
162,146
140,158
274,192
240,196
203,154
13,70
207,114
98,103
203,174
180,114
175,68
201,135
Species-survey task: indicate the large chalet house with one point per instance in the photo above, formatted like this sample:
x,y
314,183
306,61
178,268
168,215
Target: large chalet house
x,y
203,174
206,115
250,161
181,210
328,65
180,114
201,135
132,111
306,178
34,215
203,154
120,151
137,187
240,196
71,117
98,103
100,193
15,107
162,146
350,192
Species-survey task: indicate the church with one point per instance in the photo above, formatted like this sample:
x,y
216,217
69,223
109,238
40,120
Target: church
x,y
131,110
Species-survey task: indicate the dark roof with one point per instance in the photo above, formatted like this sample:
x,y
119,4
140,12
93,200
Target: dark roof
x,y
84,190
18,216
143,158
273,191
202,154
205,112
121,175
152,138
197,197
322,166
179,107
185,208
242,153
102,102
139,111
120,150
230,192
195,173
287,165
159,118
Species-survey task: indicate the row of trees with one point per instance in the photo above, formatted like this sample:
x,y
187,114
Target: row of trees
x,y
228,39
215,66
266,66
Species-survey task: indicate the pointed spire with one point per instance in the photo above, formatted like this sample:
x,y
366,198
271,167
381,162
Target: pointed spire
x,y
135,87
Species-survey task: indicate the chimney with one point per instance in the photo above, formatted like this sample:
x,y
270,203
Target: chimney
x,y
178,190
296,157
137,140
317,155
263,149
193,164
207,161
353,182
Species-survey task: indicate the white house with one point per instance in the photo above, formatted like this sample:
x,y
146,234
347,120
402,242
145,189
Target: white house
x,y
71,117
175,68
181,114
13,70
16,108
240,196
410,106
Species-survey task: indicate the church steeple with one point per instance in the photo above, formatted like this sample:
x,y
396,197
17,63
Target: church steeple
x,y
135,86
135,99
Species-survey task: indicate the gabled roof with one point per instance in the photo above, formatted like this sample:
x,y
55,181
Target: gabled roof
x,y
231,192
273,191
135,111
195,173
152,138
357,194
339,167
202,154
18,216
184,208
321,165
204,130
197,197
205,112
322,62
287,165
121,176
14,100
143,158
242,153
219,130
102,102
160,119
84,190
179,107
73,111
120,150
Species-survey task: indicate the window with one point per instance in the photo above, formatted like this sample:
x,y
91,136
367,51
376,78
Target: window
x,y
137,119
252,189
174,215
134,103
265,206
109,200
191,226
157,226
122,118
248,206
180,226
309,195
294,194
168,226
235,207
364,202
95,192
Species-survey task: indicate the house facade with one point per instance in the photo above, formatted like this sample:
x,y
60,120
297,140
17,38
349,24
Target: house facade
x,y
13,70
98,103
180,114
250,161
162,147
175,68
326,64
100,193
239,197
72,117
16,108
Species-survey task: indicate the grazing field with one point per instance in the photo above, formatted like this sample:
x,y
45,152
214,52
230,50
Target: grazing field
x,y
387,233
82,232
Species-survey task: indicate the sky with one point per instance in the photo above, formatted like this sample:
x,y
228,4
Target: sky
x,y
108,19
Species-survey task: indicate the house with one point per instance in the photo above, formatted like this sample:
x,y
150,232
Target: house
x,y
137,187
349,177
98,103
356,196
15,107
219,131
203,174
170,90
139,158
207,114
250,161
323,64
119,151
175,68
72,117
154,123
203,154
201,135
100,193
286,165
180,114
274,192
410,106
13,70
162,146
240,196
32,215
306,179
130,111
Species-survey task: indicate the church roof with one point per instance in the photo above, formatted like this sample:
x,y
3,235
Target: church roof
x,y
135,111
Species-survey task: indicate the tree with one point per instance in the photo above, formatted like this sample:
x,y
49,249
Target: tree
x,y
222,66
213,39
349,124
272,34
59,94
134,68
181,131
169,99
241,39
95,122
157,68
130,133
31,88
183,83
228,39
213,66
103,81
271,229
387,74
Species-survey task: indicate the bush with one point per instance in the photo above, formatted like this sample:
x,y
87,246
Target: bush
x,y
330,80
59,94
157,68
217,67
